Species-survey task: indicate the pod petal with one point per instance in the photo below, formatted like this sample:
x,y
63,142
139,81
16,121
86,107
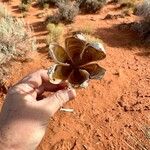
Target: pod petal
x,y
58,73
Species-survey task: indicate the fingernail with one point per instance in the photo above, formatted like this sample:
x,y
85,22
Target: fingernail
x,y
71,93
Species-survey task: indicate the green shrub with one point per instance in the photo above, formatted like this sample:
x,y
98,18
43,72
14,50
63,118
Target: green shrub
x,y
91,6
55,31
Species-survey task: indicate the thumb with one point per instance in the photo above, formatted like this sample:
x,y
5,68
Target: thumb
x,y
54,102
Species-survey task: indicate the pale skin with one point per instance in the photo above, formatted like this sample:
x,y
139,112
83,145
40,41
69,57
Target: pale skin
x,y
24,118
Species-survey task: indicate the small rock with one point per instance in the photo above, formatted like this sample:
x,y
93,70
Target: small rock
x,y
107,120
126,108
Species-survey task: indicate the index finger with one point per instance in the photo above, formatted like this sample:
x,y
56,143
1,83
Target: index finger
x,y
36,79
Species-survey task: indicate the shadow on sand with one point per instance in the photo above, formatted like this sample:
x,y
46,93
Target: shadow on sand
x,y
115,37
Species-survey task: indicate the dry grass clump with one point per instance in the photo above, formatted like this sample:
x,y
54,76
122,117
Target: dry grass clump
x,y
15,37
55,31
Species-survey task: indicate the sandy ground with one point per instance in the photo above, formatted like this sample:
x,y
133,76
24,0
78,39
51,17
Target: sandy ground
x,y
111,114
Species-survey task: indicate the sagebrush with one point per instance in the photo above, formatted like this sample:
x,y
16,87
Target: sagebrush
x,y
68,11
15,37
144,10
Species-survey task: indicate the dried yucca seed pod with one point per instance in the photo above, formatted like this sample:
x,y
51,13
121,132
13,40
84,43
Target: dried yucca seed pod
x,y
75,63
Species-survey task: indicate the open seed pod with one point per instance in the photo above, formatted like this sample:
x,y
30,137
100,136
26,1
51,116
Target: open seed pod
x,y
75,63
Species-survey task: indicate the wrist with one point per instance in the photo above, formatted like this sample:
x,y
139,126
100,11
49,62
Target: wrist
x,y
8,139
18,136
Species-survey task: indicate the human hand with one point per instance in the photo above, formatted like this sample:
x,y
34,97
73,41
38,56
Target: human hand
x,y
23,118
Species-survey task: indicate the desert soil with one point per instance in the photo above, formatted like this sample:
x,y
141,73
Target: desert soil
x,y
111,114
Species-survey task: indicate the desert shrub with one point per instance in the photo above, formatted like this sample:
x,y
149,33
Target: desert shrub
x,y
144,10
55,31
15,38
54,18
67,11
91,6
143,26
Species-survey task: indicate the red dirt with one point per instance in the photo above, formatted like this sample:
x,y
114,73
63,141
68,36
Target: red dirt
x,y
110,114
